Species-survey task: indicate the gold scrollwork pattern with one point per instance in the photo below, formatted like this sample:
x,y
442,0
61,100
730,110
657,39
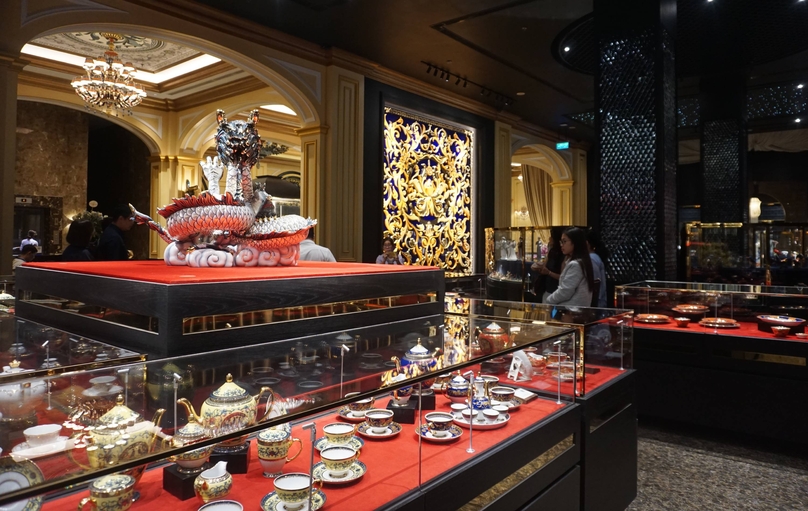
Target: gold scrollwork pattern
x,y
427,191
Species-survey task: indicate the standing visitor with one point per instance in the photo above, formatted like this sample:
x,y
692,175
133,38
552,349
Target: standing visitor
x,y
311,251
111,246
30,240
389,255
577,278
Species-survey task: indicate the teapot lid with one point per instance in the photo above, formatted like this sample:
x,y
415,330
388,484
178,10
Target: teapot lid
x,y
191,431
418,351
493,327
229,391
119,413
459,380
274,434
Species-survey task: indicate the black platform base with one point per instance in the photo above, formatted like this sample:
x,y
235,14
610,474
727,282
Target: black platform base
x,y
427,401
180,484
238,461
404,414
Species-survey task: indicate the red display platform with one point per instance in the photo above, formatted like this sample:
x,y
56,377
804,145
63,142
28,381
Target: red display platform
x,y
745,329
392,466
148,307
159,273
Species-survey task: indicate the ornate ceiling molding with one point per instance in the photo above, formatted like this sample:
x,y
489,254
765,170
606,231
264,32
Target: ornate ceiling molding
x,y
29,11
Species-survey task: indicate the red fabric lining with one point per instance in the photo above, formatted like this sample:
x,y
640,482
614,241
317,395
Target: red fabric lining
x,y
392,466
158,272
746,329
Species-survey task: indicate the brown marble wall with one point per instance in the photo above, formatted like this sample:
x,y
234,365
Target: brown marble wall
x,y
52,161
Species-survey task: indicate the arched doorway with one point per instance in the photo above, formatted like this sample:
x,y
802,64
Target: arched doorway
x,y
551,189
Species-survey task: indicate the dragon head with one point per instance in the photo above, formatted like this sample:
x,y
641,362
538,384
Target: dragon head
x,y
238,142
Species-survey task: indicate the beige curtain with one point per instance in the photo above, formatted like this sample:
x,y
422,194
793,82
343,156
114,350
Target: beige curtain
x,y
539,195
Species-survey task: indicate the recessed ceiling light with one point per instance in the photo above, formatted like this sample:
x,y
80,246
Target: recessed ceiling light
x,y
799,86
797,119
280,109
566,48
520,93
563,124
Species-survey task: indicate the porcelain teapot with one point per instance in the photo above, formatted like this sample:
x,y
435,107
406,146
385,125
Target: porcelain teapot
x,y
420,356
457,389
491,339
192,432
16,398
231,408
120,435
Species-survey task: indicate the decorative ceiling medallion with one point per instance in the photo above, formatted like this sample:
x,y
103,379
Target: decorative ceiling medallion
x,y
145,53
428,191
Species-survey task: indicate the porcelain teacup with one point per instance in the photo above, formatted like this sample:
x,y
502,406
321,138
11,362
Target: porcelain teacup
x,y
338,460
439,423
457,409
293,489
379,419
102,383
110,493
358,408
273,450
502,394
42,435
491,416
339,433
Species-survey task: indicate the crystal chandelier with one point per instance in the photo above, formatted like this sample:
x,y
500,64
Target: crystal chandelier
x,y
109,84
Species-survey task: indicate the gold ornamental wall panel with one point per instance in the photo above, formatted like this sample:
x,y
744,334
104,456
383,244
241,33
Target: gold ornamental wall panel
x,y
428,168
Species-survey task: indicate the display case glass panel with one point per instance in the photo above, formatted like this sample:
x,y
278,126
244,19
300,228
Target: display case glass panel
x,y
509,254
722,309
87,424
607,350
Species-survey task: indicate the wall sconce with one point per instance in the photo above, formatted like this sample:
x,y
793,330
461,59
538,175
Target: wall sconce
x,y
754,210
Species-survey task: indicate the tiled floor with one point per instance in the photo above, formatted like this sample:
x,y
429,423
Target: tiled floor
x,y
685,470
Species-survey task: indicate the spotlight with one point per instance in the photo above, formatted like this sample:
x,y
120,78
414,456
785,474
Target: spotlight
x,y
436,72
442,73
800,86
482,92
428,68
458,81
520,93
465,82
566,48
797,119
448,75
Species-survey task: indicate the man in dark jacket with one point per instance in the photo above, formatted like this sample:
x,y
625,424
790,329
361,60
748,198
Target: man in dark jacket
x,y
111,246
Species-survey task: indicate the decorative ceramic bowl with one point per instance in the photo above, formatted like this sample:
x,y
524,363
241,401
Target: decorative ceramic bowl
x,y
780,331
682,322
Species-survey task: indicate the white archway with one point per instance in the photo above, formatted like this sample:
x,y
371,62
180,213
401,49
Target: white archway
x,y
548,160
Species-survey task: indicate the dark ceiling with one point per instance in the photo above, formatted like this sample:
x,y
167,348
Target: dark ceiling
x,y
505,45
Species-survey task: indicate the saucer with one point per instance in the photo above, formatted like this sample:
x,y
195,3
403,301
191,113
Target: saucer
x,y
392,430
369,367
27,451
482,426
271,502
91,392
345,413
512,405
356,472
356,443
454,434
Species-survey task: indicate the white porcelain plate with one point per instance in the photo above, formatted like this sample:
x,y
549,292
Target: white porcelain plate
x,y
26,451
271,502
91,392
453,434
367,431
18,475
355,473
222,505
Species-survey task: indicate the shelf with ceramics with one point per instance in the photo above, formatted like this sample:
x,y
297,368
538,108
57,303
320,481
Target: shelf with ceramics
x,y
32,349
766,312
509,255
113,422
605,354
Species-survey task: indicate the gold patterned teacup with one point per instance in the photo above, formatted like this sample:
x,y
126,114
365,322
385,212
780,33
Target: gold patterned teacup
x,y
439,423
293,489
358,408
110,493
339,433
338,460
273,450
379,419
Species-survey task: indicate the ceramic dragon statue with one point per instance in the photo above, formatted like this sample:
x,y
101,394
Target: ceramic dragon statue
x,y
234,229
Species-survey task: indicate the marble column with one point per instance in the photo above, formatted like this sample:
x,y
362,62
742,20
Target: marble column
x,y
503,213
562,202
635,121
9,70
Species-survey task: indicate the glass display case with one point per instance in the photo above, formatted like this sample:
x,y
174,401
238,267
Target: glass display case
x,y
245,405
722,309
737,253
605,354
509,254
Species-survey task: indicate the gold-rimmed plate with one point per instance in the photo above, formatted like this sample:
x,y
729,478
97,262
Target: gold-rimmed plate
x,y
271,502
355,473
719,323
652,318
366,431
18,475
